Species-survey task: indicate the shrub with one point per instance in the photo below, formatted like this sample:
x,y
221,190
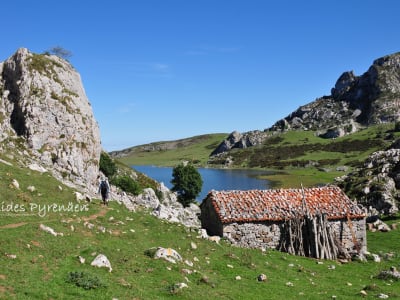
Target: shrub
x,y
85,280
107,165
127,184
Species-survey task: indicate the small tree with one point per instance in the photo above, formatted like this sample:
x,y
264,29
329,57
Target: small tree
x,y
187,182
107,165
60,52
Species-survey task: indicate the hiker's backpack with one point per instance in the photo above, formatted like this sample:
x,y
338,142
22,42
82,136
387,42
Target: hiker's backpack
x,y
103,187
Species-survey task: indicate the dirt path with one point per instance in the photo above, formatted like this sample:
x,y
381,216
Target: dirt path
x,y
15,225
101,213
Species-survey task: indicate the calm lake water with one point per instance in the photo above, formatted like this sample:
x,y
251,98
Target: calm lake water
x,y
213,179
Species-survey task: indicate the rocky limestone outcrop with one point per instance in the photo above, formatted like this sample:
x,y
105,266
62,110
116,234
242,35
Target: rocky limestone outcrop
x,y
355,102
241,141
167,208
376,185
44,103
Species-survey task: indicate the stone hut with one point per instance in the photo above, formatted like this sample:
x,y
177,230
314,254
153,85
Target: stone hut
x,y
257,218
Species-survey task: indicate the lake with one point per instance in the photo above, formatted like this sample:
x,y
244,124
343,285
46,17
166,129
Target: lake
x,y
213,179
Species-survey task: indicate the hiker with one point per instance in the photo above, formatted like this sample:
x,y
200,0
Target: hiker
x,y
104,189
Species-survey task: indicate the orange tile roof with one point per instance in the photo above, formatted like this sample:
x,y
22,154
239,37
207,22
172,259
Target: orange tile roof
x,y
282,204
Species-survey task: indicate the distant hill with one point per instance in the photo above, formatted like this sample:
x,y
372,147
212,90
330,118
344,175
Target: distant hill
x,y
196,149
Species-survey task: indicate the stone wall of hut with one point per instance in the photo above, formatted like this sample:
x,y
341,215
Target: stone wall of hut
x,y
267,235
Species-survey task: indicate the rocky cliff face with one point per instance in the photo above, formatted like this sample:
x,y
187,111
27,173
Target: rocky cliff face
x,y
47,124
44,103
355,101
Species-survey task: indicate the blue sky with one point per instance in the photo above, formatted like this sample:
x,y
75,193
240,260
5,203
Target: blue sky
x,y
157,70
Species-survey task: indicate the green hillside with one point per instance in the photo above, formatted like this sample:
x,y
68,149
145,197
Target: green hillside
x,y
195,149
38,265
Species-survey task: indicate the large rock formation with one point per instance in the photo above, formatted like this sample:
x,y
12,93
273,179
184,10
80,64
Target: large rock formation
x,y
43,102
47,124
355,102
376,185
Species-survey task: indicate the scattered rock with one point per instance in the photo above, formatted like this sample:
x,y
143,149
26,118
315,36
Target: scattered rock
x,y
31,188
101,261
168,254
238,278
215,238
391,274
202,234
6,162
383,296
363,293
79,197
15,184
204,279
50,230
81,259
193,245
332,267
11,256
181,285
289,283
36,167
189,263
262,277
376,258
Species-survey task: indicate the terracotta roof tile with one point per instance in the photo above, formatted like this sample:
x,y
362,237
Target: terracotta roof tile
x,y
282,204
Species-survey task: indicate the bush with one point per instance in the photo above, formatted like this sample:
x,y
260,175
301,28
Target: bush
x,y
85,280
107,165
127,184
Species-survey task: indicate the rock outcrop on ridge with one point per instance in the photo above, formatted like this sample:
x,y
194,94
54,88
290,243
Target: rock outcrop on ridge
x,y
355,102
43,102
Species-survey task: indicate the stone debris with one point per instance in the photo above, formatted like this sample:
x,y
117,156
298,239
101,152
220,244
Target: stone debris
x,y
81,259
31,188
14,184
378,225
193,245
262,277
189,263
392,273
202,234
181,285
238,278
215,238
289,283
101,261
36,167
168,254
50,230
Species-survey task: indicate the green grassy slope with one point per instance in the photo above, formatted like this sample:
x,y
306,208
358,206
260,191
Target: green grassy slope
x,y
37,265
196,149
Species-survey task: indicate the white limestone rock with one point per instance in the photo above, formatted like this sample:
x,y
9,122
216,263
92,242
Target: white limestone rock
x,y
101,261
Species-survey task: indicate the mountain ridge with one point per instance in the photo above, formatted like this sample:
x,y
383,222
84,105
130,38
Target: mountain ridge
x,y
355,102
